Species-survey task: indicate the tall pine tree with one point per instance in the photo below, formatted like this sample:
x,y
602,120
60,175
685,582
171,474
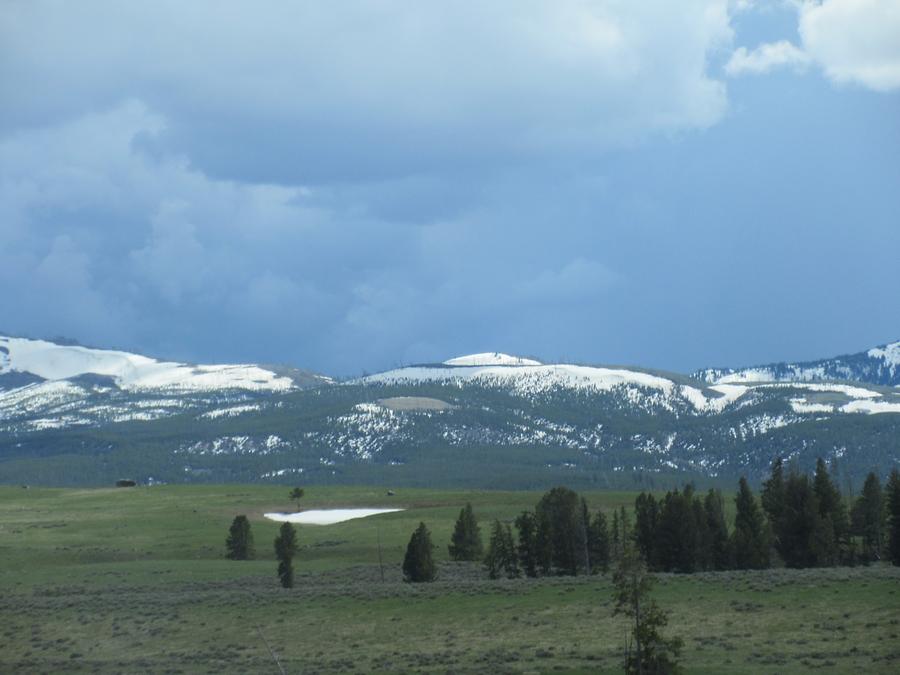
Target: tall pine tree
x,y
544,541
418,563
676,532
714,511
772,498
599,543
527,548
833,540
749,540
869,518
560,509
501,559
239,543
799,530
649,651
646,516
465,543
285,548
893,499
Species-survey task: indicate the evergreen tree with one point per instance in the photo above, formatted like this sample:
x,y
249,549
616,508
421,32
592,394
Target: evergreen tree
x,y
615,537
624,526
893,499
799,532
599,543
703,552
296,495
676,531
833,540
749,541
418,564
583,537
239,542
527,549
501,558
561,510
714,512
544,542
869,518
772,497
651,652
285,548
646,516
465,543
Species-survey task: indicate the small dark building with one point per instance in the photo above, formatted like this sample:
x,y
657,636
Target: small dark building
x,y
125,482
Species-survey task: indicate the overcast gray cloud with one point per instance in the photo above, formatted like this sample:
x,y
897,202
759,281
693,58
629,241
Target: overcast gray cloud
x,y
298,92
353,185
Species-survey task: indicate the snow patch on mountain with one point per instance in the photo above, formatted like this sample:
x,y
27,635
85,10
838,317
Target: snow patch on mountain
x,y
801,405
234,445
491,359
39,397
846,390
871,407
132,372
232,411
890,354
880,365
529,379
729,394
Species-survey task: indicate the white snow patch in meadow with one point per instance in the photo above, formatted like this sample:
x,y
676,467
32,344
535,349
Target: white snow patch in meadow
x,y
491,359
326,516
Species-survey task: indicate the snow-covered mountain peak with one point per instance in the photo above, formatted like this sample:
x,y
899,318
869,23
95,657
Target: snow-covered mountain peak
x,y
491,359
877,366
889,353
51,361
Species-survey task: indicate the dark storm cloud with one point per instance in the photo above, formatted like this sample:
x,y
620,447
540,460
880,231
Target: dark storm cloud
x,y
346,187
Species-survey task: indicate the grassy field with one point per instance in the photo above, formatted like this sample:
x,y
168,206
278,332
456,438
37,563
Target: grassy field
x,y
134,580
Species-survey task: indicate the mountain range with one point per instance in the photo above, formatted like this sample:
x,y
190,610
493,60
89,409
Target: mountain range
x,y
76,415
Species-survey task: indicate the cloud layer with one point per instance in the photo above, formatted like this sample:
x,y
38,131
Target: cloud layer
x,y
307,92
852,41
855,41
351,186
765,58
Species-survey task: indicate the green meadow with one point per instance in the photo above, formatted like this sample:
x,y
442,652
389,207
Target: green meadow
x,y
135,580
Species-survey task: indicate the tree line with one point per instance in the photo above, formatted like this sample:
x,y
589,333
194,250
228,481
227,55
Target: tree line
x,y
799,520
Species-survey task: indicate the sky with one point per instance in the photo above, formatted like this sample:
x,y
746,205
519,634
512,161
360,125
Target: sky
x,y
348,187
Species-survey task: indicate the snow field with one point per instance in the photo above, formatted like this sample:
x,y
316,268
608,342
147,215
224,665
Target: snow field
x,y
132,371
326,516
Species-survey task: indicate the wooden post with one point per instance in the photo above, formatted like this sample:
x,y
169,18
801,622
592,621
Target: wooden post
x,y
380,563
271,652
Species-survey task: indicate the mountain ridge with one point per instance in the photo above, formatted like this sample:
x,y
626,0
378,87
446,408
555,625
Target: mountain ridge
x,y
879,365
488,420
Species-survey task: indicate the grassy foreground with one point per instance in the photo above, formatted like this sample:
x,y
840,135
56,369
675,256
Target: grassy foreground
x,y
134,580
